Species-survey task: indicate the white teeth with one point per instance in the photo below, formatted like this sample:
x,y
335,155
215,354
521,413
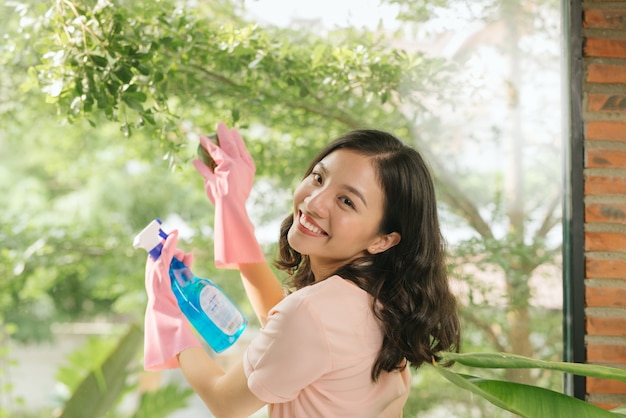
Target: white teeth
x,y
309,226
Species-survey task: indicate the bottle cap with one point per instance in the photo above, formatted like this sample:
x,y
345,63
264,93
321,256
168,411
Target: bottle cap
x,y
150,239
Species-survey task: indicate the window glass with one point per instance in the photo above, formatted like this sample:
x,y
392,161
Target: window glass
x,y
101,109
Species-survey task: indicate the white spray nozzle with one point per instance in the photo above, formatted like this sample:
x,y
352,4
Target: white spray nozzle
x,y
150,237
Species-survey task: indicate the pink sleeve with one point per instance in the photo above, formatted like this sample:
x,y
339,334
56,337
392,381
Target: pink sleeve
x,y
290,353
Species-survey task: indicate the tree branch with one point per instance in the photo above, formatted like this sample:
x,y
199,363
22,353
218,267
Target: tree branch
x,y
451,193
549,220
343,118
486,328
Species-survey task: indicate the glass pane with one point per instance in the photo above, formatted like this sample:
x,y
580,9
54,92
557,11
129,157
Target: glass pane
x,y
107,147
492,133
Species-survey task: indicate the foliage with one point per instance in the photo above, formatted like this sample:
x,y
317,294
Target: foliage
x,y
162,402
143,68
100,390
97,377
515,361
527,400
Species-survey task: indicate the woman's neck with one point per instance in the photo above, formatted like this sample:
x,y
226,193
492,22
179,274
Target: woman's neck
x,y
321,271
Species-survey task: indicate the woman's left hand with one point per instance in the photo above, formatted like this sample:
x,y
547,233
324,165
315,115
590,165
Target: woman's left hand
x,y
166,332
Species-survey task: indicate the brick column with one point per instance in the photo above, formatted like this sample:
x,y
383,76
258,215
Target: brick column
x,y
604,117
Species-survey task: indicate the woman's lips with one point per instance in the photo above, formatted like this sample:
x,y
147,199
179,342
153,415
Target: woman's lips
x,y
308,225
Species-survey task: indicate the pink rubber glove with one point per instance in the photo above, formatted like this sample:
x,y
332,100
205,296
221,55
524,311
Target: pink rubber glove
x,y
167,332
228,188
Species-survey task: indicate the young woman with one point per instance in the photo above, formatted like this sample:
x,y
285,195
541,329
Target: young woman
x,y
370,293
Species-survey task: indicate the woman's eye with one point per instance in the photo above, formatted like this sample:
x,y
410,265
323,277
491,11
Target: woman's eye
x,y
347,202
317,178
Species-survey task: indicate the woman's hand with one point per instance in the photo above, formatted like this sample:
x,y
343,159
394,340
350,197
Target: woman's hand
x,y
233,176
228,187
166,332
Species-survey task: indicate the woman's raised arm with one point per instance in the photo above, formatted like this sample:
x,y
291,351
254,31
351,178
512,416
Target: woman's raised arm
x,y
262,287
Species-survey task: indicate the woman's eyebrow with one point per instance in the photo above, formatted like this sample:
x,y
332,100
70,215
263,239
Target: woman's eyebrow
x,y
320,166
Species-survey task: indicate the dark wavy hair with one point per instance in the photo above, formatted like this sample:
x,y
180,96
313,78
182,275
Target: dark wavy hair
x,y
409,281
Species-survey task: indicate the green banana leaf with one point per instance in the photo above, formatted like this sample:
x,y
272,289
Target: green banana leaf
x,y
163,402
101,388
514,361
525,400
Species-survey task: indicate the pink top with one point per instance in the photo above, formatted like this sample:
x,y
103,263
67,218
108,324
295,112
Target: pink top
x,y
314,357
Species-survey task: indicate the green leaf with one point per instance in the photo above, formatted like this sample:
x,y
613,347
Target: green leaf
x,y
158,76
100,390
143,69
163,402
80,362
138,96
234,113
99,60
514,361
147,117
124,74
525,400
133,103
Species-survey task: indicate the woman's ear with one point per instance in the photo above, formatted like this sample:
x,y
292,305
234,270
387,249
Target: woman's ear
x,y
384,242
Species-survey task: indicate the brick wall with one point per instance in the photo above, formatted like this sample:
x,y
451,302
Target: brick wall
x,y
604,117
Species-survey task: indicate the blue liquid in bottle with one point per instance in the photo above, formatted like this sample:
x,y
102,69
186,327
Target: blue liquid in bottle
x,y
208,309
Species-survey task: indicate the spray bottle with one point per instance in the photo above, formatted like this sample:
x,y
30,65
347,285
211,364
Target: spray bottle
x,y
205,305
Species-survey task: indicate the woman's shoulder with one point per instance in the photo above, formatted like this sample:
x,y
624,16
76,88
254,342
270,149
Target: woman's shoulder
x,y
334,285
335,297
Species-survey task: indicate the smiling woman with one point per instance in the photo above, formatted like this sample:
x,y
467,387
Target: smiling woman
x,y
339,205
370,289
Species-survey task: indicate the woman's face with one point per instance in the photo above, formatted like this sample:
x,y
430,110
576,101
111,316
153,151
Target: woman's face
x,y
337,213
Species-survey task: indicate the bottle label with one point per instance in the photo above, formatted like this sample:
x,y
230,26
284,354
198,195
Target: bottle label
x,y
221,311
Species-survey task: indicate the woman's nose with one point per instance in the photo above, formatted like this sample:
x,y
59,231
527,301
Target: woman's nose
x,y
316,203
